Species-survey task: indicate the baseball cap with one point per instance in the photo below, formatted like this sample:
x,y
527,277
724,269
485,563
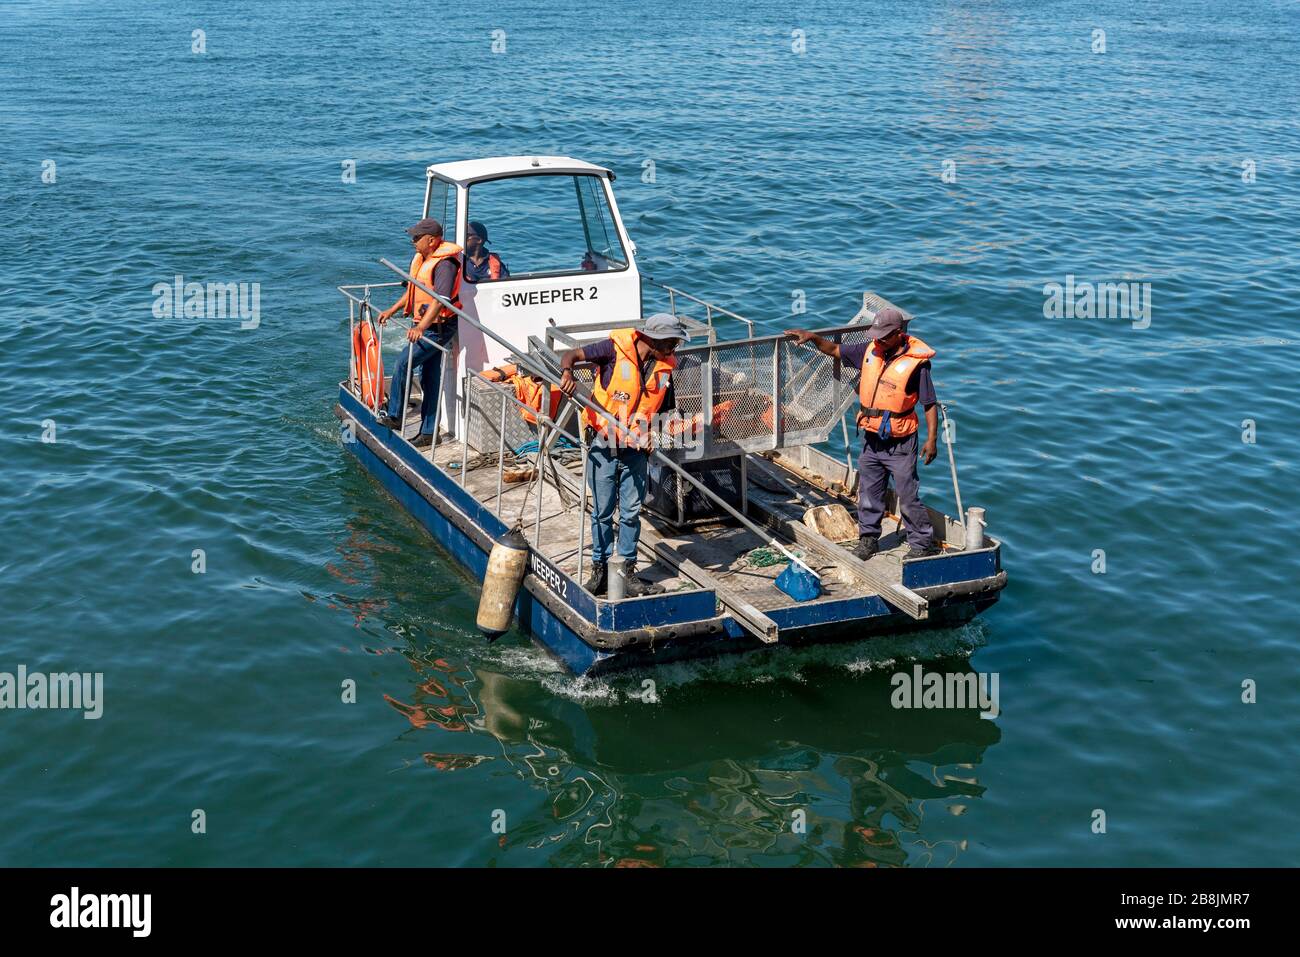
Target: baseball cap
x,y
888,320
425,227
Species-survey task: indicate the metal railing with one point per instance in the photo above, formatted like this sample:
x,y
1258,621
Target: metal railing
x,y
710,308
499,436
360,309
511,434
582,333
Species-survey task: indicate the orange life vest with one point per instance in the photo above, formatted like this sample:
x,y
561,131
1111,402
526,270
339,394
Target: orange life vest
x,y
417,300
628,398
527,390
369,365
883,388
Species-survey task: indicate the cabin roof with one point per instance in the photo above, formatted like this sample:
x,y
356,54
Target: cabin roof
x,y
465,172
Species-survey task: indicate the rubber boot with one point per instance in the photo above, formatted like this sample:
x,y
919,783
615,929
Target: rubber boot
x,y
597,582
636,588
866,547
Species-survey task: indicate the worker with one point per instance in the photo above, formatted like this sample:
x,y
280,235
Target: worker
x,y
481,265
529,390
632,382
436,264
895,378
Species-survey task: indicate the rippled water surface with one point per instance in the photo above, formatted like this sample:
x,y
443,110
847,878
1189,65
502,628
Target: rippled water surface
x,y
775,171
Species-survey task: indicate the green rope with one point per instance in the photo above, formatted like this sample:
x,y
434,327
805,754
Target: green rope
x,y
765,558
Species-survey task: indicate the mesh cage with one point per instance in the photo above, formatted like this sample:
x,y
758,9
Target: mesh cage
x,y
765,393
682,504
485,403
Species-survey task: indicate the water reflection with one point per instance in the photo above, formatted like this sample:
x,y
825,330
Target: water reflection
x,y
817,769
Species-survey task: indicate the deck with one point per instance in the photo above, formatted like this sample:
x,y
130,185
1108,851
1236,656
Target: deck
x,y
721,550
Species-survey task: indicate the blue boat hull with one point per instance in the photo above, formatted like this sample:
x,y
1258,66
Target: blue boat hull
x,y
590,636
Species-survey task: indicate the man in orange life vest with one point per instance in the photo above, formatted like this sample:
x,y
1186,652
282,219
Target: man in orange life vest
x,y
436,263
481,265
529,390
895,379
633,381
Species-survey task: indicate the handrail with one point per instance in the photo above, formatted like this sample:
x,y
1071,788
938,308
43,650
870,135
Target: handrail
x,y
546,376
764,339
709,307
366,286
353,302
545,422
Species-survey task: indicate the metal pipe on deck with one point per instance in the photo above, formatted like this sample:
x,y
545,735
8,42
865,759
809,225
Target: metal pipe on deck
x,y
974,524
406,395
582,506
501,452
541,490
952,459
464,431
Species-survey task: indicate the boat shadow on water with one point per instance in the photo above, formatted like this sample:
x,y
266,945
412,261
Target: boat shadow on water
x,y
761,760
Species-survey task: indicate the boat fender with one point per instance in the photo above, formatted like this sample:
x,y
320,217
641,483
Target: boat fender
x,y
507,563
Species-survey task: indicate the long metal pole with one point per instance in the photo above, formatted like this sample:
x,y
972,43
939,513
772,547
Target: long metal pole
x,y
379,335
437,399
352,347
776,394
464,432
541,491
406,395
582,508
539,370
501,452
952,462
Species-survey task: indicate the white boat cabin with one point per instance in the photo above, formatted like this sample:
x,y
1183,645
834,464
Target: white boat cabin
x,y
554,223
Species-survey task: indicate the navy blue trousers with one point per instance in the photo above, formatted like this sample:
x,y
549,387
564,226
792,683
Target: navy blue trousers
x,y
880,459
429,361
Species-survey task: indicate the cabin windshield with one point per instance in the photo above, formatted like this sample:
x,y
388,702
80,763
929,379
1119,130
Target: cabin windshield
x,y
442,204
548,224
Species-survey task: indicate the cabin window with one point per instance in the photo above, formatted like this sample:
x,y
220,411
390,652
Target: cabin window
x,y
548,224
442,205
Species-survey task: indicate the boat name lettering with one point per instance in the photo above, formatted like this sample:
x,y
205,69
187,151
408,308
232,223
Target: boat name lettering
x,y
542,297
552,578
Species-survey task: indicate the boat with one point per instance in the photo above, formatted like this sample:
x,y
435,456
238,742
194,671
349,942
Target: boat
x,y
752,495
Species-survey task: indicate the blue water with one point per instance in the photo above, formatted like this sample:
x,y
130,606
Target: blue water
x,y
774,171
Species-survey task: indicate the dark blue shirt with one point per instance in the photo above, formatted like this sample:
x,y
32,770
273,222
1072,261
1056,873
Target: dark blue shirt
x,y
919,382
479,272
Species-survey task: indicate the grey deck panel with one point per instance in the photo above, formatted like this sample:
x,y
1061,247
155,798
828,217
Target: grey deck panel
x,y
720,550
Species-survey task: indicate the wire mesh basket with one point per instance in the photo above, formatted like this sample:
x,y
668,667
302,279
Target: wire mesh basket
x,y
765,393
